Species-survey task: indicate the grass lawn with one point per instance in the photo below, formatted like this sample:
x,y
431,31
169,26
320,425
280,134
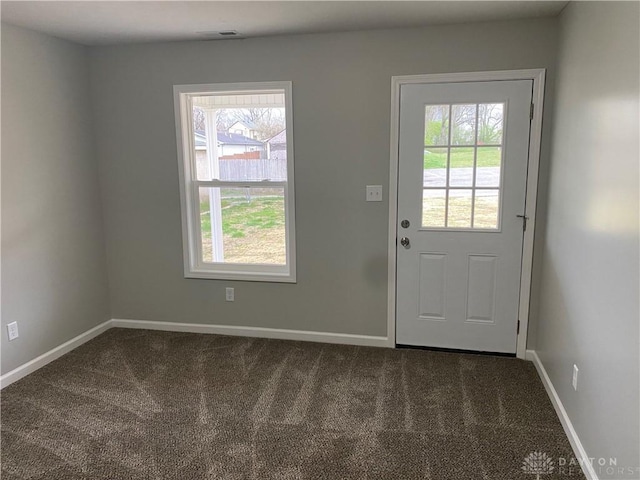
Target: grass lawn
x,y
253,229
485,214
461,157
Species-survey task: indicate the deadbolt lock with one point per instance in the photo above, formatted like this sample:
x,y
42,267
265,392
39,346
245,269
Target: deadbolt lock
x,y
405,224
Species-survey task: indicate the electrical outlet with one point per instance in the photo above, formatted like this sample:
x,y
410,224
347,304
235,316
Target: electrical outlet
x,y
574,380
374,193
12,330
230,294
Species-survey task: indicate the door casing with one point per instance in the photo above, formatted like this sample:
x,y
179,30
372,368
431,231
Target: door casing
x,y
538,77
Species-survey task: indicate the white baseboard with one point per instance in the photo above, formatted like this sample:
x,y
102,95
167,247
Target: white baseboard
x,y
259,332
576,444
48,357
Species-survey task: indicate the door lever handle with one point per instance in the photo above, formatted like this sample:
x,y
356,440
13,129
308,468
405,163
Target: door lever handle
x,y
524,221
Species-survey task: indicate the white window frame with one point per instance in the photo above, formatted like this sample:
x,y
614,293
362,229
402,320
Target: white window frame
x,y
194,267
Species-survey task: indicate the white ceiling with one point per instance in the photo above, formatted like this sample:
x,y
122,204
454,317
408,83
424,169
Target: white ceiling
x,y
112,22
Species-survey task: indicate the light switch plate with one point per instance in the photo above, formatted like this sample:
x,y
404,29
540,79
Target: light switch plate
x,y
374,193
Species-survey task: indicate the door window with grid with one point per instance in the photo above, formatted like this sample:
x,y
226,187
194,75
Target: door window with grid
x,y
463,162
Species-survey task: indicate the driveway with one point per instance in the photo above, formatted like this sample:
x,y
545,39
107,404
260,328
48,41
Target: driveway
x,y
460,177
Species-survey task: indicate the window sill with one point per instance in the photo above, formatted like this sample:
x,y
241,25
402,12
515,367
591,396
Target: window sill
x,y
242,276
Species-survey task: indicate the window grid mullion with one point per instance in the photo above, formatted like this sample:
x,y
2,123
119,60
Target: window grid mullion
x,y
475,169
446,199
238,184
462,188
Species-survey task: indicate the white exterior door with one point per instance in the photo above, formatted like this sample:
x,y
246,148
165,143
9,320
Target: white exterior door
x,y
462,175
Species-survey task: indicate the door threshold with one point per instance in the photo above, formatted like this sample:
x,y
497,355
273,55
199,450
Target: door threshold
x,y
456,350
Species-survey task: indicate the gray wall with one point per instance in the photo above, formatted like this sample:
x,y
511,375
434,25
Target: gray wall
x,y
53,258
589,284
341,100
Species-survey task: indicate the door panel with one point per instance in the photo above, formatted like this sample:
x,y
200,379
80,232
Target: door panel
x,y
481,288
462,182
432,285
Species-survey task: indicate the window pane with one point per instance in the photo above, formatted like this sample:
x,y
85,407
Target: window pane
x,y
463,125
461,167
243,225
203,166
436,125
488,166
435,167
486,209
473,134
433,207
490,122
459,214
250,144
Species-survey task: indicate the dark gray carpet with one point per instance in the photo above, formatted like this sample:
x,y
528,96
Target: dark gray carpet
x,y
135,404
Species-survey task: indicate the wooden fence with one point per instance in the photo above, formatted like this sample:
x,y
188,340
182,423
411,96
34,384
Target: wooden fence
x,y
253,169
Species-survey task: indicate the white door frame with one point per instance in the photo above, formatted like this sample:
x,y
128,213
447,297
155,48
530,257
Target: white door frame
x,y
538,77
